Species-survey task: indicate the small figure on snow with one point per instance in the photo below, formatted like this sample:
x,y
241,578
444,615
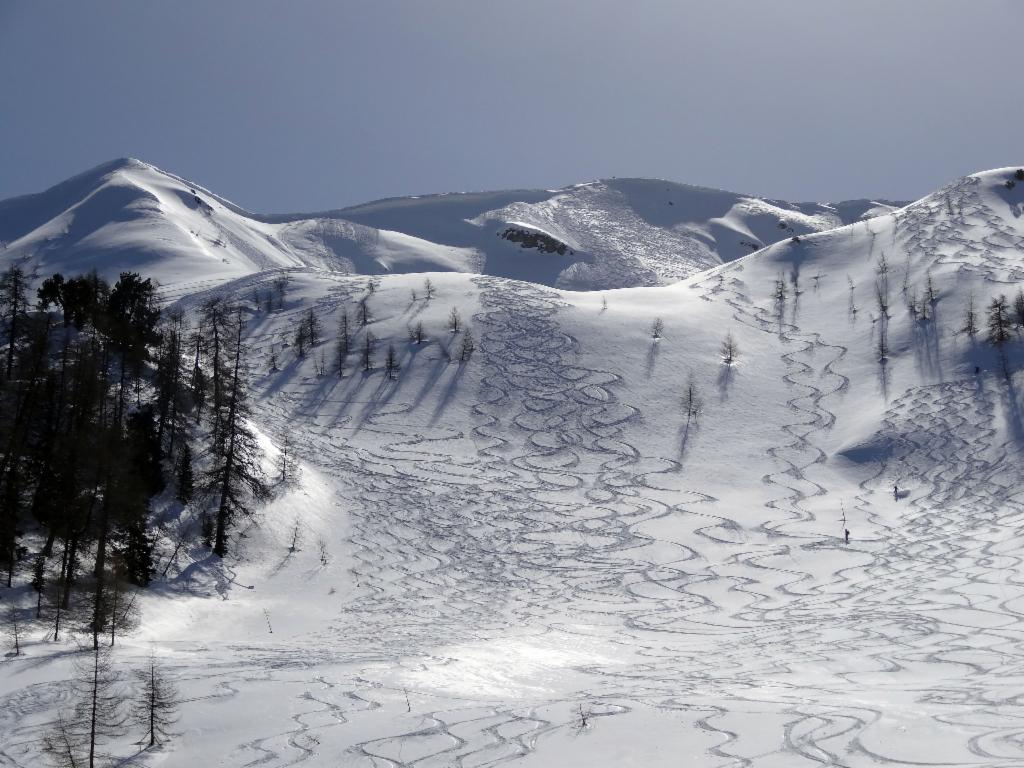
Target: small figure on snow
x,y
846,531
977,370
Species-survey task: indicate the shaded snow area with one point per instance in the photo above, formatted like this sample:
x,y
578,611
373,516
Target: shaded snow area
x,y
128,214
535,558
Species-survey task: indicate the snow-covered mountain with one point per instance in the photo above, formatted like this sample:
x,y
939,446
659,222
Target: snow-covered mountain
x,y
536,557
606,234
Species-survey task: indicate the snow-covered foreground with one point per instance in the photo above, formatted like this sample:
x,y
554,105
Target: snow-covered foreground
x,y
533,557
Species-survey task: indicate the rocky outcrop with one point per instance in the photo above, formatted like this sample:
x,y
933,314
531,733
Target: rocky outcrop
x,y
536,240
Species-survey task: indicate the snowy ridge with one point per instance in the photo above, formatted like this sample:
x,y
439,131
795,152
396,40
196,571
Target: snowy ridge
x,y
537,560
650,232
129,215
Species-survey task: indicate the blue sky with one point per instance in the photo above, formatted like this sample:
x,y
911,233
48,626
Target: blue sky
x,y
302,105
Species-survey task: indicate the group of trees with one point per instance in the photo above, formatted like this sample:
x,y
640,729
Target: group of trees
x,y
1003,321
1002,318
273,296
307,335
922,308
728,351
102,710
234,475
95,390
1000,323
104,402
80,451
101,398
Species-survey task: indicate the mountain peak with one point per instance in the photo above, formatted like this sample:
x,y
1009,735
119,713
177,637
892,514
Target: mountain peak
x,y
606,233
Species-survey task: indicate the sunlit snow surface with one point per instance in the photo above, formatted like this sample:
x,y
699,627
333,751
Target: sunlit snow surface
x,y
534,560
616,233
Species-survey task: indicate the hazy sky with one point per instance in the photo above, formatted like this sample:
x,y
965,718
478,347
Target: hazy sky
x,y
303,105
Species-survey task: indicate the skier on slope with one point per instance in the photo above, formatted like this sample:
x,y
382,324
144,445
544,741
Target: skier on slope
x,y
846,531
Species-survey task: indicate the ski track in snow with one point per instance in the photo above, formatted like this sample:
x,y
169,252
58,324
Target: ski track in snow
x,y
491,554
538,534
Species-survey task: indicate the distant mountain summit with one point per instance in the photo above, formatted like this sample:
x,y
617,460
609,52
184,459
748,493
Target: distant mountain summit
x,y
613,233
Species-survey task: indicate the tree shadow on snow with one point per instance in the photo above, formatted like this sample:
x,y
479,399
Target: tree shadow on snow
x,y
438,367
724,381
323,387
926,346
884,377
689,429
373,401
1013,411
652,359
414,308
449,392
276,380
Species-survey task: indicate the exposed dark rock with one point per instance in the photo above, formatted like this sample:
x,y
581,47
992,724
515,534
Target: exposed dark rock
x,y
536,240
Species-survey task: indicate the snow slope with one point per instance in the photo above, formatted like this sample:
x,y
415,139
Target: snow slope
x,y
535,559
130,215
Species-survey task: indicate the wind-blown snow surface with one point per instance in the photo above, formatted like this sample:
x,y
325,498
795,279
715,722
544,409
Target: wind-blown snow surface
x,y
534,559
617,233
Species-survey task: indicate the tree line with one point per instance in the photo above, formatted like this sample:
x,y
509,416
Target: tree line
x,y
105,400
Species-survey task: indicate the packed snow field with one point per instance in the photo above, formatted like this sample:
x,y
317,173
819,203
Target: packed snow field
x,y
535,556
